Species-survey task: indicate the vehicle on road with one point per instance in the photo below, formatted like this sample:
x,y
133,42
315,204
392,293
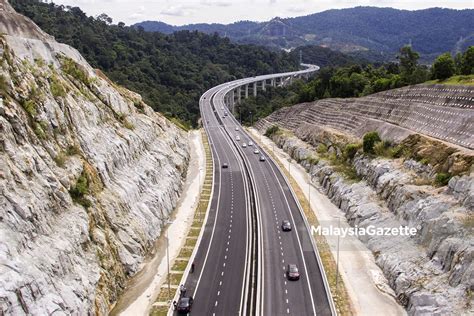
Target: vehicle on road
x,y
225,113
237,138
225,165
184,305
222,107
262,158
237,129
286,226
292,272
256,151
244,145
250,143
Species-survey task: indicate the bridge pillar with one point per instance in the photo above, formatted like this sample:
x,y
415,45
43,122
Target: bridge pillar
x,y
239,94
255,89
246,91
263,85
272,82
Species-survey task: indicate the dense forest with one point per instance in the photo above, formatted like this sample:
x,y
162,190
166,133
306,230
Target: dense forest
x,y
358,80
380,30
169,71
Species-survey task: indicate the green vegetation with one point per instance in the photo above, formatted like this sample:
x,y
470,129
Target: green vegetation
x,y
29,106
57,89
272,130
169,71
80,190
73,150
443,67
60,159
75,70
369,141
466,80
442,179
351,150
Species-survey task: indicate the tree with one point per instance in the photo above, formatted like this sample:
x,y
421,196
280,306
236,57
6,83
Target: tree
x,y
408,62
369,141
467,67
443,67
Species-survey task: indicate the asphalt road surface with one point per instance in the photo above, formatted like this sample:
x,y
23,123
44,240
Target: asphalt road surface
x,y
242,258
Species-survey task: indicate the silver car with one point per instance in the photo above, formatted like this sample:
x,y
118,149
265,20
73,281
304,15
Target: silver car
x,y
244,145
262,158
256,151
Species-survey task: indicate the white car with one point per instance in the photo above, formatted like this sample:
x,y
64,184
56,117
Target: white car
x,y
237,129
250,143
256,151
244,145
222,107
237,138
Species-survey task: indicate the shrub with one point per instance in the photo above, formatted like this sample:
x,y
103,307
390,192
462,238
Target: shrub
x,y
3,86
73,150
39,130
272,130
81,189
57,89
369,141
442,179
312,160
351,150
30,107
322,149
73,69
60,159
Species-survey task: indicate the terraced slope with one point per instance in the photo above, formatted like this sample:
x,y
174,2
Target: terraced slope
x,y
442,112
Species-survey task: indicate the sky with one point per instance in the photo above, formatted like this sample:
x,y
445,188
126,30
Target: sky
x,y
177,12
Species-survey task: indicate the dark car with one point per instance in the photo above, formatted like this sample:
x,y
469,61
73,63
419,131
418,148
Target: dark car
x,y
225,165
286,226
292,272
184,305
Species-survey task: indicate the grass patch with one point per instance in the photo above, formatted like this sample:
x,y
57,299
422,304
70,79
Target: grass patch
x,y
75,70
60,159
442,179
175,278
180,265
465,80
159,310
57,89
73,150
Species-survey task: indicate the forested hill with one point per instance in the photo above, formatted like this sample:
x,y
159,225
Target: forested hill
x,y
383,30
169,71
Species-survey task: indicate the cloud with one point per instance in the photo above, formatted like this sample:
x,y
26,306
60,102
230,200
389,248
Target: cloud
x,y
174,11
216,3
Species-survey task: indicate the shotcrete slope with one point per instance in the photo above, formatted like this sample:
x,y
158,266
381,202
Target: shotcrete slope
x,y
439,111
88,173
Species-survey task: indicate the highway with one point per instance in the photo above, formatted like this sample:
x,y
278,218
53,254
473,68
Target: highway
x,y
241,259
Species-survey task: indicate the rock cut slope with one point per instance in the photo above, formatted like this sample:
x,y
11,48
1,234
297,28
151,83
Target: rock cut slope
x,y
88,173
428,136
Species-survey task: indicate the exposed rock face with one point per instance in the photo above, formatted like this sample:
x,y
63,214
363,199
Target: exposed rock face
x,y
431,273
88,172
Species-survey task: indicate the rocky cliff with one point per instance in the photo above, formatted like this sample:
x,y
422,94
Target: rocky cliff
x,y
88,173
399,184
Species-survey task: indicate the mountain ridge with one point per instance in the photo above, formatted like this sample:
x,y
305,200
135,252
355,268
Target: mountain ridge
x,y
351,30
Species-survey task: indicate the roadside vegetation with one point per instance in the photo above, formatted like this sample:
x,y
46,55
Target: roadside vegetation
x,y
161,305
